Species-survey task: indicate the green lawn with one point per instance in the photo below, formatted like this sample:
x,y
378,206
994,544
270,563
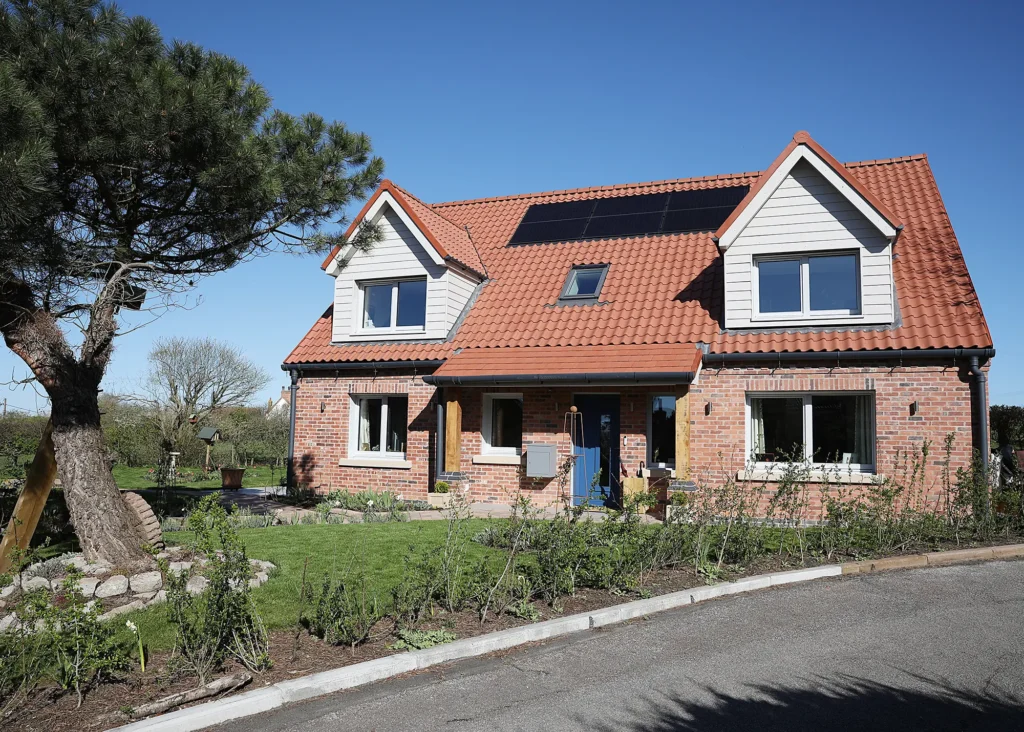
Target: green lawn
x,y
134,479
379,548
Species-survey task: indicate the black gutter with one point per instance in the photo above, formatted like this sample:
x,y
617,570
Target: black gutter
x,y
353,365
717,360
290,481
627,377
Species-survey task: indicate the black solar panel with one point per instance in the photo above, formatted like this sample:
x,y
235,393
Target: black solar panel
x,y
652,213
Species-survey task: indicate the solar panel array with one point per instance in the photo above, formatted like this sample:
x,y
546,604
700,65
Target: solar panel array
x,y
651,213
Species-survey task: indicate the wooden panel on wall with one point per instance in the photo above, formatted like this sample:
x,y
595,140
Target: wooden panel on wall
x,y
683,434
453,435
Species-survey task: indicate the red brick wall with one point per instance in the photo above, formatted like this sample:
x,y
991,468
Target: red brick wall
x,y
717,440
942,392
544,421
321,437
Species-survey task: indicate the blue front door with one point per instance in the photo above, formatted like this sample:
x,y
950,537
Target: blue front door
x,y
596,473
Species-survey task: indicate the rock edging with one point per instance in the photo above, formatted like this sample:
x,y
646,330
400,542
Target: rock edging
x,y
122,593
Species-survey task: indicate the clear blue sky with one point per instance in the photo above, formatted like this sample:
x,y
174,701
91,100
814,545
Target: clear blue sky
x,y
483,99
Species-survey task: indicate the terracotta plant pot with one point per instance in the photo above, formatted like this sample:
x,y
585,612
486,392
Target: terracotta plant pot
x,y
231,478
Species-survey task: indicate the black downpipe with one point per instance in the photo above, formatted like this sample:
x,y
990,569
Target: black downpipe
x,y
980,413
290,480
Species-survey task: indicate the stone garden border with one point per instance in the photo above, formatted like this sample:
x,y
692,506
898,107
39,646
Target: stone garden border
x,y
358,674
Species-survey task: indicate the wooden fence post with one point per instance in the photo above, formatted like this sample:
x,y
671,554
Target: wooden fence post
x,y
29,508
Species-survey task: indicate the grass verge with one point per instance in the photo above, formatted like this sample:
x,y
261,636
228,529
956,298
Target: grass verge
x,y
379,548
133,479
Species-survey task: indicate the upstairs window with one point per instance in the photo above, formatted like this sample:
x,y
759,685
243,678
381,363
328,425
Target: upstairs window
x,y
584,282
807,286
398,305
831,429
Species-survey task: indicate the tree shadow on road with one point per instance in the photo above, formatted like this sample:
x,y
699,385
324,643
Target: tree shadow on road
x,y
823,704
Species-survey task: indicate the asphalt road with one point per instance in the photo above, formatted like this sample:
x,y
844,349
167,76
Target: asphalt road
x,y
930,649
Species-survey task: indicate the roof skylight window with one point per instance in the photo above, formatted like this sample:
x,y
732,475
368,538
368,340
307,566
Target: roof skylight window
x,y
584,283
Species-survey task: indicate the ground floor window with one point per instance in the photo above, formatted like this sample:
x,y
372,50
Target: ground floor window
x,y
503,424
380,425
825,428
661,431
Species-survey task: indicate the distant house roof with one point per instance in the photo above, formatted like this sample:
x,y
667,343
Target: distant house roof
x,y
669,288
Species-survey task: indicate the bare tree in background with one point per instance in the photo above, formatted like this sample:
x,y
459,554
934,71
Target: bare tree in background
x,y
191,377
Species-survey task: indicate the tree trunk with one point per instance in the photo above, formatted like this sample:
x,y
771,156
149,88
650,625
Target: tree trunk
x,y
106,527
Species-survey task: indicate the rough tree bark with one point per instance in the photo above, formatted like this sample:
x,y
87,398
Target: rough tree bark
x,y
105,526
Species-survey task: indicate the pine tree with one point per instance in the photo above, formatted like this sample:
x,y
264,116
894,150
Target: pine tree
x,y
132,168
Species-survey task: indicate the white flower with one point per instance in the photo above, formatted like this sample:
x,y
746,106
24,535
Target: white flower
x,y
132,626
370,504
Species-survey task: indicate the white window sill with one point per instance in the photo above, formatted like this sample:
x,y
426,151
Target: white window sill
x,y
784,318
370,332
669,469
839,475
497,459
375,462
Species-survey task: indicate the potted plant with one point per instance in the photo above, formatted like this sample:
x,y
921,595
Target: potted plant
x,y
678,507
231,476
441,495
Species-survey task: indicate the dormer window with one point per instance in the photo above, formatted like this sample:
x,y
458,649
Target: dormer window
x,y
807,286
583,283
400,305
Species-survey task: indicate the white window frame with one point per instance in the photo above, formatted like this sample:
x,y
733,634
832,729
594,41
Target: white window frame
x,y
363,329
805,312
808,431
355,407
485,427
650,430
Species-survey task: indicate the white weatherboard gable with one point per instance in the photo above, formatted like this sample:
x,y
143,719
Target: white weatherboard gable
x,y
399,255
803,153
376,211
807,213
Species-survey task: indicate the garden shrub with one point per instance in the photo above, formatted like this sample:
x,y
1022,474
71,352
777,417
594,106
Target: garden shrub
x,y
345,611
222,620
78,649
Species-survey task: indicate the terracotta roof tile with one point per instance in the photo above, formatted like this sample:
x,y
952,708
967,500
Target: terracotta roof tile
x,y
669,288
316,347
554,360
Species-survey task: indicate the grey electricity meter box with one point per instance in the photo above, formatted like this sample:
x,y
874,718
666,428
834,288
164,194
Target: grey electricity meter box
x,y
541,460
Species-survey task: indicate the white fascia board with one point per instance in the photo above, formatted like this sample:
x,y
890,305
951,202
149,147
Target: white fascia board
x,y
802,152
375,212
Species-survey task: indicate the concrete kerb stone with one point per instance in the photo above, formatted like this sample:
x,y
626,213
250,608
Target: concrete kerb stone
x,y
211,713
941,559
348,677
803,575
1008,552
909,561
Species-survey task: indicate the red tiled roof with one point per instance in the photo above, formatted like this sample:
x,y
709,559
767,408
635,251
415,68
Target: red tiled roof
x,y
316,347
556,360
669,288
450,240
